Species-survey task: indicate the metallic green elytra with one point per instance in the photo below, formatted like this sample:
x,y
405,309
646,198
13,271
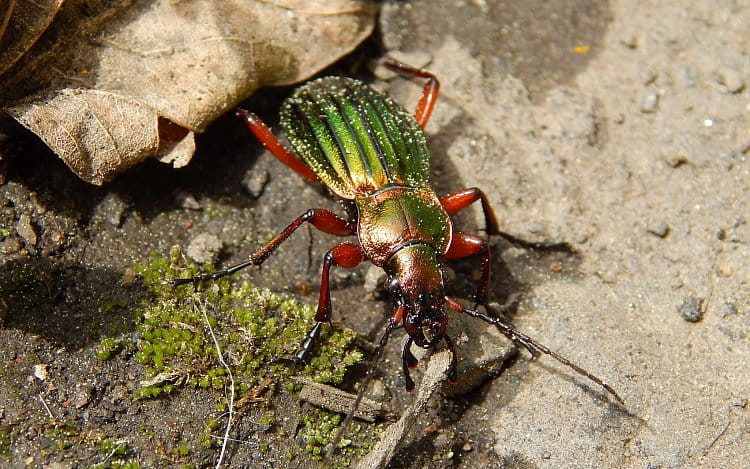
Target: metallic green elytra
x,y
365,147
354,138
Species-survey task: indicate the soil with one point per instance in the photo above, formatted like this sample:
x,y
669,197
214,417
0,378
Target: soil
x,y
621,128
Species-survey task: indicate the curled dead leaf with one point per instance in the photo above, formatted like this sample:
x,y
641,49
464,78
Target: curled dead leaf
x,y
130,81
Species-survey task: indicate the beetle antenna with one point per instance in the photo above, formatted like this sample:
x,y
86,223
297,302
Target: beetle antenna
x,y
392,325
532,345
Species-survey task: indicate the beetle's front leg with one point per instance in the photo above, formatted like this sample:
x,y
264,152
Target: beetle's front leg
x,y
464,245
347,255
458,201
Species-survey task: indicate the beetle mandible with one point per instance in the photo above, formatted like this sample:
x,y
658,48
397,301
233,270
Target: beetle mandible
x,y
368,150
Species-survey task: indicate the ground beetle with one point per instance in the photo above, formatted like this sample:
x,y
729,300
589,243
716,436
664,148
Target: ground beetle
x,y
370,151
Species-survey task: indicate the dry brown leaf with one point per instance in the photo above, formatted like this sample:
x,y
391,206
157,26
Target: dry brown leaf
x,y
106,90
21,24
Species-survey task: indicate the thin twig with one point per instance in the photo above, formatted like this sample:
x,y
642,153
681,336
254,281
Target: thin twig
x,y
46,407
231,387
721,433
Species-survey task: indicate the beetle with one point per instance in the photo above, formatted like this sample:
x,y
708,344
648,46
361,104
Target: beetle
x,y
371,152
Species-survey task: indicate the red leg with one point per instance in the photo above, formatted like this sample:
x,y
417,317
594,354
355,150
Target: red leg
x,y
460,200
464,245
347,255
269,140
429,94
324,220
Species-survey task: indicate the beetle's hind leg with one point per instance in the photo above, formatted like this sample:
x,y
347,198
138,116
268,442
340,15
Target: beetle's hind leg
x,y
264,135
429,93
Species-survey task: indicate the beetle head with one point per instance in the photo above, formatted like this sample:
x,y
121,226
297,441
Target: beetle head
x,y
416,282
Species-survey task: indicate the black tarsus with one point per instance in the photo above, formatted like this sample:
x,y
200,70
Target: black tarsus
x,y
363,387
453,368
408,361
559,246
533,346
305,348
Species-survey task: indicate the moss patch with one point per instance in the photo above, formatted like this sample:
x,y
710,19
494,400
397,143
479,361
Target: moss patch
x,y
252,326
319,427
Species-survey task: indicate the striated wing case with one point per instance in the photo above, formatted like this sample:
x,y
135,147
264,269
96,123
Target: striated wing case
x,y
354,138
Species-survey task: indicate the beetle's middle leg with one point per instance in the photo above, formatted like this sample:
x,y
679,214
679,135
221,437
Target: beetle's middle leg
x,y
347,255
324,220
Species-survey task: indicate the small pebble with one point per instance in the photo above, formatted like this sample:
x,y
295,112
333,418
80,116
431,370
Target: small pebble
x,y
40,371
204,248
731,79
546,455
731,308
650,77
609,274
740,403
674,159
649,102
10,245
255,182
26,230
110,210
467,447
185,199
660,229
84,394
630,41
691,308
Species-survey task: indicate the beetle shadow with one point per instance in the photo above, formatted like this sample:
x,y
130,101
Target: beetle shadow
x,y
517,264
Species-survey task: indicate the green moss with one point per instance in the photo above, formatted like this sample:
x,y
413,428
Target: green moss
x,y
180,450
319,427
253,326
107,348
65,435
6,440
116,454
